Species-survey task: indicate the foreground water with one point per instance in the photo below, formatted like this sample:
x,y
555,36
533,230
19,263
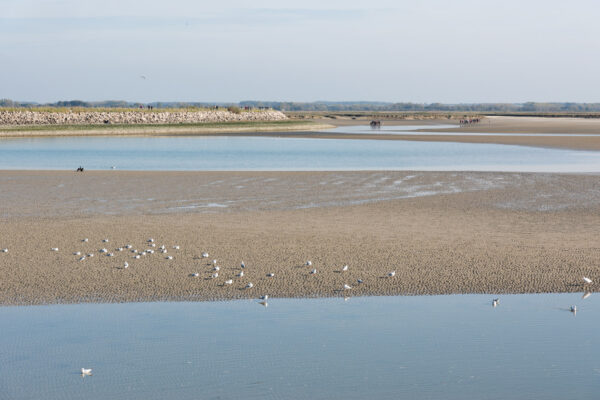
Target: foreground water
x,y
280,153
438,347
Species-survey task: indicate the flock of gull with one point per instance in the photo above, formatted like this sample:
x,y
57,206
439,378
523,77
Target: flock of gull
x,y
152,249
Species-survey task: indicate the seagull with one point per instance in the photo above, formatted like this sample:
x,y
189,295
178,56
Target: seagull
x,y
229,281
586,295
82,258
204,255
391,274
573,309
125,265
150,240
176,247
162,247
86,371
86,240
110,255
169,257
120,249
241,274
587,280
102,250
314,271
55,249
5,250
137,256
195,274
243,265
152,244
105,240
270,275
308,263
359,281
214,262
495,302
347,287
215,275
77,253
249,285
216,268
344,268
90,255
265,297
128,246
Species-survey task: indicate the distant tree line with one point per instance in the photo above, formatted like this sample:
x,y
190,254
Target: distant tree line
x,y
529,107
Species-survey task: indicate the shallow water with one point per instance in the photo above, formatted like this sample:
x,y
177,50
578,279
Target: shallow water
x,y
417,130
280,153
422,347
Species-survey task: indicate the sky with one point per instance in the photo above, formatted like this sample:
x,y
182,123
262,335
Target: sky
x,y
459,51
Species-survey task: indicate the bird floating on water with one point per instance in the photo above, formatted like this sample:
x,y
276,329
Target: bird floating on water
x,y
586,295
345,268
347,287
86,371
587,280
392,274
495,302
265,297
573,309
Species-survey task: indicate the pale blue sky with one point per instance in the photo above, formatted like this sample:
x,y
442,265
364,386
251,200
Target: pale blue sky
x,y
419,51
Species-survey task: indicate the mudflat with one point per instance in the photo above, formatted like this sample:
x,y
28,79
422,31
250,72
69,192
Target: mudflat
x,y
442,233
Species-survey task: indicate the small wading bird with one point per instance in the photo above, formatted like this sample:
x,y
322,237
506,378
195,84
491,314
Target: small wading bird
x,y
77,253
82,258
169,257
86,371
216,268
90,255
392,274
86,240
215,275
195,275
125,264
314,271
359,281
176,247
345,268
308,263
214,262
150,240
249,285
105,240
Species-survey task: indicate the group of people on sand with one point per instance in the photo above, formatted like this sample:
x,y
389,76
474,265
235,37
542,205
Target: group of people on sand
x,y
469,121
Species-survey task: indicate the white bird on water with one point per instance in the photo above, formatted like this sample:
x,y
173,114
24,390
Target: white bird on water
x,y
86,371
314,271
229,281
347,287
344,268
204,255
587,280
249,285
392,274
495,302
265,297
573,309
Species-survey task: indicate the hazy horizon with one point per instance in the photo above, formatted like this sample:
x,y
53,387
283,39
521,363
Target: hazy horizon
x,y
432,51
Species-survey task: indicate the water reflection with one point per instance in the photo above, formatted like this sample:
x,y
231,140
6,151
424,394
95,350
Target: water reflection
x,y
431,347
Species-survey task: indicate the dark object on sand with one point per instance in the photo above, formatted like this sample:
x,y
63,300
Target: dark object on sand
x,y
106,121
80,169
375,123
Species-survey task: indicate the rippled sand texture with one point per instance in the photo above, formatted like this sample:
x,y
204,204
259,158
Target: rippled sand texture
x,y
440,232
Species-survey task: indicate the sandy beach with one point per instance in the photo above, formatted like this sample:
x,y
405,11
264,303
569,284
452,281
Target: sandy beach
x,y
475,233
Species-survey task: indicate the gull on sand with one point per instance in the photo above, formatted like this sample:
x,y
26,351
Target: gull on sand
x,y
229,281
587,280
346,286
392,274
204,255
270,275
314,271
345,268
249,285
308,263
243,265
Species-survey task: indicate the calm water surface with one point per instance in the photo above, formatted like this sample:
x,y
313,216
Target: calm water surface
x,y
438,347
272,153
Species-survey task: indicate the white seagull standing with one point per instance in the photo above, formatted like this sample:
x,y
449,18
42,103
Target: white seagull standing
x,y
347,287
215,275
308,263
249,285
241,274
204,255
314,271
229,281
587,280
392,274
344,268
55,249
5,250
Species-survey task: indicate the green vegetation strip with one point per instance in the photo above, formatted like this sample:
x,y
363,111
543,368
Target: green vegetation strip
x,y
208,125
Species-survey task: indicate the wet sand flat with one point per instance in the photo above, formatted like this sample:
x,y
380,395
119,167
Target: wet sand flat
x,y
529,233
